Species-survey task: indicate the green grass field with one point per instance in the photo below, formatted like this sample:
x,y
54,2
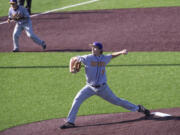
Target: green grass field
x,y
45,5
38,86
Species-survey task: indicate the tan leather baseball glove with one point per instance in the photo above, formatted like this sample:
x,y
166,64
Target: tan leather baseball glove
x,y
74,65
17,17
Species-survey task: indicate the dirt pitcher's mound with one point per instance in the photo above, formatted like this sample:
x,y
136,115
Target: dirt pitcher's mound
x,y
106,124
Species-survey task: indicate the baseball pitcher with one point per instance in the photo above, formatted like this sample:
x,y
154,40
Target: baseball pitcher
x,y
96,82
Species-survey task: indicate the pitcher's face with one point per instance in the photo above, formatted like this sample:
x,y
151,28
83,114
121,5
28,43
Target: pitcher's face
x,y
96,51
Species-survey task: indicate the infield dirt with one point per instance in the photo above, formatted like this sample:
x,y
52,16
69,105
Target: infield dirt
x,y
150,29
106,124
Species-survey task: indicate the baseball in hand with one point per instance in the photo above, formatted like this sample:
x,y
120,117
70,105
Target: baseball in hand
x,y
124,52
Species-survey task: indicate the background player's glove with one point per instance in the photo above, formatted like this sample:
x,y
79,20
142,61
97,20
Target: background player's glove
x,y
74,65
17,17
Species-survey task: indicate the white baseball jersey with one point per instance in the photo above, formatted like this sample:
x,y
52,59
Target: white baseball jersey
x,y
95,68
21,11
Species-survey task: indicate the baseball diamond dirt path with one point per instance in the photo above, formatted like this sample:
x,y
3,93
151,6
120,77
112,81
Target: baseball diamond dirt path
x,y
150,29
131,123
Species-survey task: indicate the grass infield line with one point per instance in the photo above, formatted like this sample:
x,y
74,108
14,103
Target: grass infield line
x,y
62,8
66,66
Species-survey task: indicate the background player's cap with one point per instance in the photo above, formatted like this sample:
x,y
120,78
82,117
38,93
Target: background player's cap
x,y
97,44
12,1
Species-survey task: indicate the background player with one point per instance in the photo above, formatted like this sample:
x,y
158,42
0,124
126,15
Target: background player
x,y
20,15
96,83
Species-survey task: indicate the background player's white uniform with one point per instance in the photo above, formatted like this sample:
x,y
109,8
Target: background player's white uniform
x,y
23,24
96,85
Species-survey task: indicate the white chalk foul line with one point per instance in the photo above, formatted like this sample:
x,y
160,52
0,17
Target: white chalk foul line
x,y
70,6
58,9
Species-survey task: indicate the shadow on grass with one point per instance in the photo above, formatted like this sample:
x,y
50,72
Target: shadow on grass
x,y
30,67
145,65
66,66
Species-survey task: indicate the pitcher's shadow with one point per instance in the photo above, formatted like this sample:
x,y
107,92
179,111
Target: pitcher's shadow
x,y
134,120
